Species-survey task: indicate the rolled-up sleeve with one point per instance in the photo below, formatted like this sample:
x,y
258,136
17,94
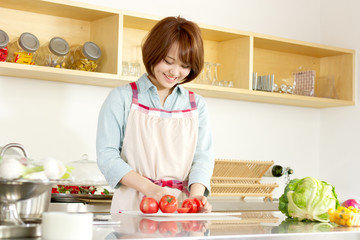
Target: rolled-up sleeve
x,y
110,135
203,162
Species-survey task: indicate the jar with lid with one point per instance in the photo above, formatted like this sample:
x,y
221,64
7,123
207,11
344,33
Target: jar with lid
x,y
4,40
23,49
278,171
84,57
53,53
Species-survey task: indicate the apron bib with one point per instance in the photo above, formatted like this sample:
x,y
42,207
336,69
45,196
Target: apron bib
x,y
159,145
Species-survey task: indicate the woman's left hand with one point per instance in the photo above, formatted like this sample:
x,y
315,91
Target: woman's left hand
x,y
207,207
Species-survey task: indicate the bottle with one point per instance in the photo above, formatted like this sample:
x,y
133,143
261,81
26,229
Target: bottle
x,y
22,50
278,171
4,40
53,53
84,57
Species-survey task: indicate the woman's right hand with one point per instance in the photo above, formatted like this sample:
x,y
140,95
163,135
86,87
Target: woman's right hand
x,y
155,191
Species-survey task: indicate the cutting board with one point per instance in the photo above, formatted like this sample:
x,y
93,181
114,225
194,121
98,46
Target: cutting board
x,y
186,216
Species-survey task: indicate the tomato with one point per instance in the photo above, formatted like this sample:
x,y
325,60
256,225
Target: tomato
x,y
192,226
168,228
148,226
190,203
198,203
168,204
149,205
183,210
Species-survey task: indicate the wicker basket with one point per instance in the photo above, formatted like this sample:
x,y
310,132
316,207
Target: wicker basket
x,y
241,178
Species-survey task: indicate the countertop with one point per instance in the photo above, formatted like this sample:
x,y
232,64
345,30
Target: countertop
x,y
241,225
248,225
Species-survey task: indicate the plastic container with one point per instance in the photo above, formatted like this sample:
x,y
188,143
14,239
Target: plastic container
x,y
53,53
23,49
84,57
4,40
344,216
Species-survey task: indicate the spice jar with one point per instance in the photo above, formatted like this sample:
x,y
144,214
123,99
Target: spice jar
x,y
4,40
84,57
53,53
22,50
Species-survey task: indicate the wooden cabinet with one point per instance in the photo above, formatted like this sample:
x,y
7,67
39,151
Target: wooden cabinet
x,y
120,33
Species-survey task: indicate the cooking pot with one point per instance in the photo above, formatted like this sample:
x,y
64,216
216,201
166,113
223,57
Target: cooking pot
x,y
31,208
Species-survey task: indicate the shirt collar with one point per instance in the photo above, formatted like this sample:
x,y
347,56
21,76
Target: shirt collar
x,y
144,84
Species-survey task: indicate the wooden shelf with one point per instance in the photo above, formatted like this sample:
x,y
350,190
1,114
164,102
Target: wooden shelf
x,y
120,33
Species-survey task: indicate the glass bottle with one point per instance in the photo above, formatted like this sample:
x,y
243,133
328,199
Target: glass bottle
x,y
278,171
84,57
23,49
4,40
53,53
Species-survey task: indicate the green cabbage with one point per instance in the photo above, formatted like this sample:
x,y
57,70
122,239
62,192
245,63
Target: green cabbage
x,y
308,199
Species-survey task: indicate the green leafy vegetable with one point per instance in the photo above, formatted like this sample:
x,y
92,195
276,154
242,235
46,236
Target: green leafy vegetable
x,y
292,226
308,199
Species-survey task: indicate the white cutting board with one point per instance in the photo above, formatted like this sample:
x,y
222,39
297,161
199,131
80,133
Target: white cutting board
x,y
159,216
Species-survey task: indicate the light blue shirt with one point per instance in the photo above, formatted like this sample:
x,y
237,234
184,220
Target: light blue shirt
x,y
112,124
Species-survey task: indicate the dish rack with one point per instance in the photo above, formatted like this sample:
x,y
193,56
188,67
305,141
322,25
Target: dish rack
x,y
241,178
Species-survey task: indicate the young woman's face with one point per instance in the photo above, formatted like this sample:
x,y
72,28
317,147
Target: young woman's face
x,y
170,71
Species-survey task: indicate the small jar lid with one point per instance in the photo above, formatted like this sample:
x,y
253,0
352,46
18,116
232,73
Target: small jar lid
x,y
91,51
4,39
59,46
29,42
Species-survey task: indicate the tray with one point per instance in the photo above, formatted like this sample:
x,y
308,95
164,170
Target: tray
x,y
80,198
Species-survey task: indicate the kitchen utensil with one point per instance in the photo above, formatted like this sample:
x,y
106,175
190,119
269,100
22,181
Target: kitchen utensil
x,y
31,208
17,190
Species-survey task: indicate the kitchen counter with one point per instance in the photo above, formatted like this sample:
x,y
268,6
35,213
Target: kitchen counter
x,y
248,225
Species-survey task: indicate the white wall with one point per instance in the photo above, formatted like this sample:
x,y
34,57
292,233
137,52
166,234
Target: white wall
x,y
59,120
340,127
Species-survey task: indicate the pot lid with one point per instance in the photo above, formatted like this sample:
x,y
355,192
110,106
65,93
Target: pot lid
x,y
85,172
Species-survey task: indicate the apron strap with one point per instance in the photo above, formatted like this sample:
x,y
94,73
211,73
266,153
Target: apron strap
x,y
181,185
192,100
135,92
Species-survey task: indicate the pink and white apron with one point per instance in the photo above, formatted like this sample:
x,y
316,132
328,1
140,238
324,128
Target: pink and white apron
x,y
159,145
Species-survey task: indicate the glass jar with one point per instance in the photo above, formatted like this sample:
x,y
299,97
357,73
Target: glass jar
x,y
84,57
22,50
53,53
4,40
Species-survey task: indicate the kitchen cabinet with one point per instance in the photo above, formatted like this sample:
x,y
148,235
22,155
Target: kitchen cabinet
x,y
239,53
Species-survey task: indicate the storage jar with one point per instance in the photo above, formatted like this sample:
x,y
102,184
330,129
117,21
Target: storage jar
x,y
84,57
53,53
4,40
23,49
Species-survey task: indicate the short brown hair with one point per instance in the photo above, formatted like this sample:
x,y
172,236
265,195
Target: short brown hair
x,y
172,30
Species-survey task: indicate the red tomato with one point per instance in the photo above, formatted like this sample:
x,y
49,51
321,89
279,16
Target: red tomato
x,y
148,226
168,204
192,226
190,203
168,228
183,210
198,203
149,205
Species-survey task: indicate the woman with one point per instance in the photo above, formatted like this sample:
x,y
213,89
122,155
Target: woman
x,y
154,136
